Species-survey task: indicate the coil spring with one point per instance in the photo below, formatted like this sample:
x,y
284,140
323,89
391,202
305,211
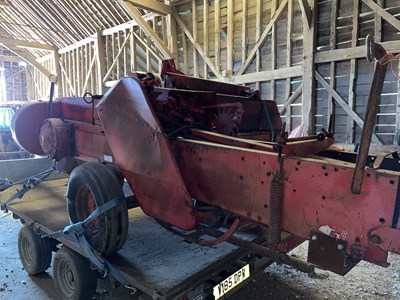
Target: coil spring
x,y
275,212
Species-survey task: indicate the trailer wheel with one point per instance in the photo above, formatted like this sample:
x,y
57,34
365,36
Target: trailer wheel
x,y
90,186
72,275
34,251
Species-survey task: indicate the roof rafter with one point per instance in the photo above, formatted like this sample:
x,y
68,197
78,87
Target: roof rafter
x,y
24,44
151,5
29,59
135,14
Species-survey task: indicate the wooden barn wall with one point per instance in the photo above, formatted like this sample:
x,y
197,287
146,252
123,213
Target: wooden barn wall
x,y
227,31
311,69
344,25
14,76
95,63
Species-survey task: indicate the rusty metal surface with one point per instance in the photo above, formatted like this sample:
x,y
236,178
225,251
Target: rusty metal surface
x,y
27,122
176,79
329,252
143,154
374,99
166,143
77,109
316,194
56,138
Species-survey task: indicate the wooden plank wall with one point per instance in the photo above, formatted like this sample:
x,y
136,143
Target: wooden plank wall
x,y
228,31
14,76
311,67
347,27
95,63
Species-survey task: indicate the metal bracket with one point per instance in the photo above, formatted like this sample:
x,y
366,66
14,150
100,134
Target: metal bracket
x,y
330,253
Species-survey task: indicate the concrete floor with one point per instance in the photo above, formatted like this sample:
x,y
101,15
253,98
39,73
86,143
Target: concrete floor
x,y
365,281
16,284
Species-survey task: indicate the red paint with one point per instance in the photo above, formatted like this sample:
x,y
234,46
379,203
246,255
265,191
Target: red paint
x,y
132,123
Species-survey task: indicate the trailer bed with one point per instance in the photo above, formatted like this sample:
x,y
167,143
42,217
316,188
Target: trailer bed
x,y
154,260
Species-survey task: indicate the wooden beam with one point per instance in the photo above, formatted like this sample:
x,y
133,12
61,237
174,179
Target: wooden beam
x,y
172,36
258,33
217,41
25,44
309,42
10,58
134,14
205,35
306,11
22,70
353,74
151,5
274,5
120,52
197,46
332,44
89,71
291,99
57,69
263,37
383,13
288,90
244,30
343,104
100,54
268,75
378,24
146,45
30,59
71,87
229,37
194,25
349,53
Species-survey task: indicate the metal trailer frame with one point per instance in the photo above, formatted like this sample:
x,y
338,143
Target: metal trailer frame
x,y
223,260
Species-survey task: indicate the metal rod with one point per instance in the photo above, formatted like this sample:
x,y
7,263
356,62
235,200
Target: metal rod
x,y
370,118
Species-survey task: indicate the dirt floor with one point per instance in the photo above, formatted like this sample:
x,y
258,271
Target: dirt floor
x,y
365,281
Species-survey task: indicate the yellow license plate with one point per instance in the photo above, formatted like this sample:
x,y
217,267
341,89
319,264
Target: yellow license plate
x,y
231,282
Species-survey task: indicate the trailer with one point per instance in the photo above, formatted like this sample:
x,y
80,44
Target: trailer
x,y
156,263
207,160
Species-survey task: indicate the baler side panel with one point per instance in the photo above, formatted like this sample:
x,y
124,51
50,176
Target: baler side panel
x,y
143,154
316,194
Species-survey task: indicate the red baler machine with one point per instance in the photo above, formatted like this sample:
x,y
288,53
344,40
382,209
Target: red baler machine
x,y
198,153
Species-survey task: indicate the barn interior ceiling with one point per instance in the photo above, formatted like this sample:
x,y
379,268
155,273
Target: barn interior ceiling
x,y
307,55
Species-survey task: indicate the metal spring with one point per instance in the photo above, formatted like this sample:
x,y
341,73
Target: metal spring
x,y
275,212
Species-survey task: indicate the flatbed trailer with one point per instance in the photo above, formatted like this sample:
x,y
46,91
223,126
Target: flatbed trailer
x,y
157,263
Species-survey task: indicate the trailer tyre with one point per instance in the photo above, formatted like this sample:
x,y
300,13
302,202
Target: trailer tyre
x,y
72,275
90,186
34,251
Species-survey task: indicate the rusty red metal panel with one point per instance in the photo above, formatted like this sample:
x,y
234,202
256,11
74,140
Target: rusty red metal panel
x,y
232,178
143,154
27,122
321,192
77,109
316,193
91,143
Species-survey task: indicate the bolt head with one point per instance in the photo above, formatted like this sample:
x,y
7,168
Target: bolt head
x,y
314,237
340,247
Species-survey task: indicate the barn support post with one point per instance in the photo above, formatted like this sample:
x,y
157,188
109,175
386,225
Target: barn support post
x,y
309,40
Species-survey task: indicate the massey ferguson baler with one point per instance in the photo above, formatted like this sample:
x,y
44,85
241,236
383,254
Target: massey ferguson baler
x,y
199,153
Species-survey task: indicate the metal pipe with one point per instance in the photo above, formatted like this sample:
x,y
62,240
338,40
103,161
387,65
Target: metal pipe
x,y
377,51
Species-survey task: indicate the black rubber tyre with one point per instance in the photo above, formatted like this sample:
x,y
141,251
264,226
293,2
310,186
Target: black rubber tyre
x,y
72,275
34,251
91,185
